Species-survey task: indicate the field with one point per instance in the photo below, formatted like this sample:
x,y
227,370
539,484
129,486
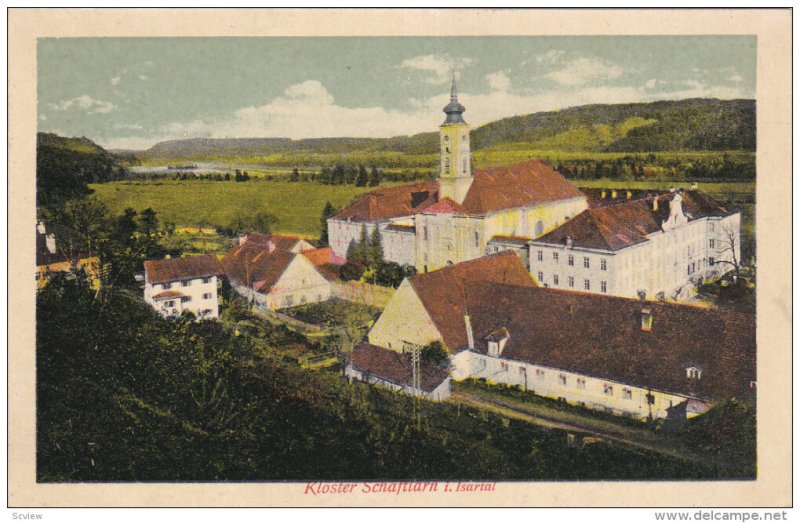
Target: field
x,y
298,206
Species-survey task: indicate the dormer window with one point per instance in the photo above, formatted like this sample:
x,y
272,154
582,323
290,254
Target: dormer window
x,y
693,373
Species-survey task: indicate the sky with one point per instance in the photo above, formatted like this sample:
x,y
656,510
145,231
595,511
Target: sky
x,y
130,93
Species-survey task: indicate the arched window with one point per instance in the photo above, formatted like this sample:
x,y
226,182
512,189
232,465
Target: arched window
x,y
539,228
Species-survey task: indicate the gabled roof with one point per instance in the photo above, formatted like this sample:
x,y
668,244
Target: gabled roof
x,y
442,292
283,242
395,367
616,226
323,260
390,202
255,265
515,240
517,185
173,269
601,336
445,206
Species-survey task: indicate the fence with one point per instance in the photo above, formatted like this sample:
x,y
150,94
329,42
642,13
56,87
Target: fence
x,y
364,293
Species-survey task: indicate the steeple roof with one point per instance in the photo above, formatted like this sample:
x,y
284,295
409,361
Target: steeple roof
x,y
454,109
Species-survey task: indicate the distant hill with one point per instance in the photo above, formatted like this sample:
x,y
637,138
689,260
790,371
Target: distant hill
x,y
64,167
683,125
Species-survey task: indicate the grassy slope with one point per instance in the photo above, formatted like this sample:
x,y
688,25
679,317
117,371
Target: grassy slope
x,y
298,206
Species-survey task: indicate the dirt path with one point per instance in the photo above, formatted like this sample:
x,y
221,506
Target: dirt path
x,y
554,419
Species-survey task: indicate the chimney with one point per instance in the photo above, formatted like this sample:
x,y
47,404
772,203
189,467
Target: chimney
x,y
270,246
647,318
655,204
569,242
571,309
470,337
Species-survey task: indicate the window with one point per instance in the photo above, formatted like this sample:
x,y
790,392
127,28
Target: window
x,y
447,165
540,374
522,370
581,383
570,260
693,373
603,264
169,303
186,283
711,243
207,296
650,399
167,286
425,233
585,262
464,167
503,366
608,390
627,394
475,237
689,269
207,279
562,379
571,281
711,261
540,276
712,226
539,255
555,279
555,257
186,299
586,285
603,287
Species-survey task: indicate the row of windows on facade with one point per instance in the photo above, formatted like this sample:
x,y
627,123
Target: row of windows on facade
x,y
447,165
587,284
580,383
187,299
571,260
184,283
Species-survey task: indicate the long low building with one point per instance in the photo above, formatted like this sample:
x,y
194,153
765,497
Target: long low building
x,y
637,358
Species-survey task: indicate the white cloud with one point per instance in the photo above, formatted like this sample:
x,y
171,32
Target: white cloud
x,y
42,117
130,126
498,81
550,57
438,66
650,84
88,104
116,80
585,70
736,78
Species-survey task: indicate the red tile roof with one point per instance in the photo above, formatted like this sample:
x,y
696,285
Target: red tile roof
x,y
173,269
283,242
395,367
446,206
517,185
616,226
390,202
324,259
253,264
516,240
601,336
443,291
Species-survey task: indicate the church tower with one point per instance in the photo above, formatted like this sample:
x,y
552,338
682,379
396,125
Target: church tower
x,y
455,171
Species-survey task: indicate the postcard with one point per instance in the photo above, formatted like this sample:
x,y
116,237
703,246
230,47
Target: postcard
x,y
399,258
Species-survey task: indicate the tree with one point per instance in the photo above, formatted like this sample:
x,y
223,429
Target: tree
x,y
728,249
295,176
362,179
148,222
435,353
374,177
327,212
375,249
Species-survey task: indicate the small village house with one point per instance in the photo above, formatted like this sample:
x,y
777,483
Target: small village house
x,y
175,285
277,271
51,259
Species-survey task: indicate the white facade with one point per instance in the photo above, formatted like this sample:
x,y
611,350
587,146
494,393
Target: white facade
x,y
300,283
198,295
440,393
668,264
577,389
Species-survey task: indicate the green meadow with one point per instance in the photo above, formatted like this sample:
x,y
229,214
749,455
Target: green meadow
x,y
298,206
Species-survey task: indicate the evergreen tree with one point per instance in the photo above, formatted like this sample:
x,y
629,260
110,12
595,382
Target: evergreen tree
x,y
295,176
374,177
327,212
375,249
362,179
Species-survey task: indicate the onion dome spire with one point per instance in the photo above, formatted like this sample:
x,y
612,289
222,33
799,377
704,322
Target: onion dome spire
x,y
454,110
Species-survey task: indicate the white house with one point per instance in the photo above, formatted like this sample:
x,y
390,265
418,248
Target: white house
x,y
174,285
660,245
631,357
275,273
453,218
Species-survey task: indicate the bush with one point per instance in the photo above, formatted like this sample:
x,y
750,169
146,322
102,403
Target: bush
x,y
351,271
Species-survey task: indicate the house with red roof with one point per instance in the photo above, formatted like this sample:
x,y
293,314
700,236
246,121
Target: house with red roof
x,y
175,285
661,245
642,359
278,271
433,224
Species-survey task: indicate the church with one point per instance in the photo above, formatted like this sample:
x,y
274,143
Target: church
x,y
437,223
